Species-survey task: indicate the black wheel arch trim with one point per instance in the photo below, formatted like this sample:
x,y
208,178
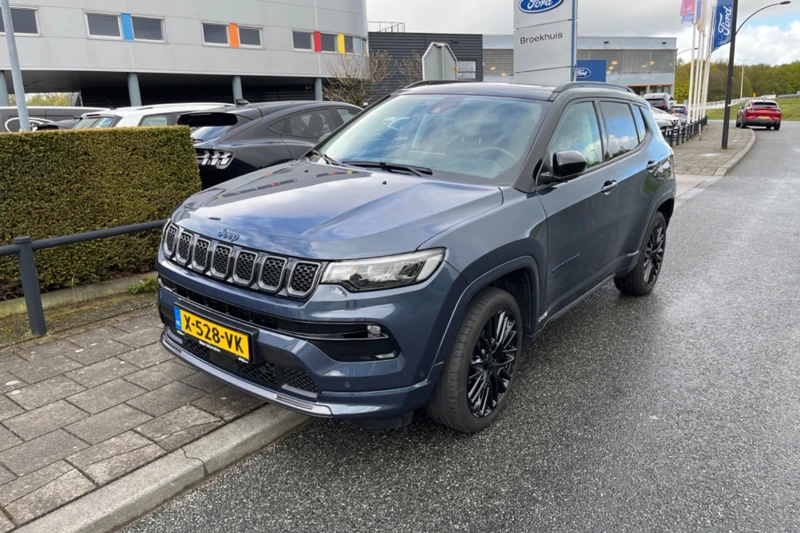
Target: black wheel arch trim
x,y
528,263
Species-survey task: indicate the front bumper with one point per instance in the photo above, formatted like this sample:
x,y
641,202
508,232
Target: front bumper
x,y
294,370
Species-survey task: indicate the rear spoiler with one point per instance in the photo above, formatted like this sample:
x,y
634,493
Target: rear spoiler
x,y
201,119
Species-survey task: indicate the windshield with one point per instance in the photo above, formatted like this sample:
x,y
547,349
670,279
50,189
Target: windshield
x,y
478,136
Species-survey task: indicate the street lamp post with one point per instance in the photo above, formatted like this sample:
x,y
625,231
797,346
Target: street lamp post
x,y
16,72
741,89
729,85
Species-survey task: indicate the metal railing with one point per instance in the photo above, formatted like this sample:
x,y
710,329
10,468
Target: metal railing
x,y
24,247
685,132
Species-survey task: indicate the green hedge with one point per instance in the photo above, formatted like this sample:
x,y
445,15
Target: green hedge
x,y
56,183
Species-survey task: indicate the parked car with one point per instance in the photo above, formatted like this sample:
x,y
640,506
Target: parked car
x,y
665,120
395,268
150,115
662,101
760,113
680,111
9,116
235,141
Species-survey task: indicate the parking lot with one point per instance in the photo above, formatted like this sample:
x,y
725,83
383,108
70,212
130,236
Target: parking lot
x,y
678,412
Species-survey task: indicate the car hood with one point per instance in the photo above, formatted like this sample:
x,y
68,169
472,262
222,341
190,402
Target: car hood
x,y
315,211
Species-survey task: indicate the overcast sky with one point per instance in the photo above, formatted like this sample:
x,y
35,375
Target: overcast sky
x,y
773,36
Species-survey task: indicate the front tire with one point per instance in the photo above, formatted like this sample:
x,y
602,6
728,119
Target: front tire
x,y
642,279
474,384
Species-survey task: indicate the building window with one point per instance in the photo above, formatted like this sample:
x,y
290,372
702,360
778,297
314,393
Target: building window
x,y
147,29
215,33
250,37
467,70
103,25
358,45
348,44
24,20
302,40
329,42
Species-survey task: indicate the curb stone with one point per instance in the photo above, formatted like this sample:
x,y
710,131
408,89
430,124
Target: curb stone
x,y
146,489
724,169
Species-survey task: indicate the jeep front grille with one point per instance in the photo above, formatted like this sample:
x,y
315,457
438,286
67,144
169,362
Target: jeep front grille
x,y
261,271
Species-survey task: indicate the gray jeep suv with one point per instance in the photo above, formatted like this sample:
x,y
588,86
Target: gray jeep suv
x,y
407,260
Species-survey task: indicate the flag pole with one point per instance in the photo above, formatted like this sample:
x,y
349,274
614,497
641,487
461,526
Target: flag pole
x,y
689,99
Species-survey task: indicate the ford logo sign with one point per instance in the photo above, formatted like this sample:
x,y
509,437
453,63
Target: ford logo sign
x,y
538,6
583,73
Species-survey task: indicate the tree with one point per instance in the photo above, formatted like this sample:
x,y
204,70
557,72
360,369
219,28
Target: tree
x,y
49,99
410,68
356,79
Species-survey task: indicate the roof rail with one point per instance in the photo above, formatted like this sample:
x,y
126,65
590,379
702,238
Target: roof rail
x,y
431,82
591,85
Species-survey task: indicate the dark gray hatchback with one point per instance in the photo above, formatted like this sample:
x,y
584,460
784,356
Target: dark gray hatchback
x,y
407,259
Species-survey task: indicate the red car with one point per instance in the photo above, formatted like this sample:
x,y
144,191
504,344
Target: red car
x,y
759,113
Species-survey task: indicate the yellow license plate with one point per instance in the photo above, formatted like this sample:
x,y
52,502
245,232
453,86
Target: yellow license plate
x,y
764,118
212,335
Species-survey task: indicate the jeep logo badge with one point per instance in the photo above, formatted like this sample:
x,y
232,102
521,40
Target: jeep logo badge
x,y
538,6
228,235
582,73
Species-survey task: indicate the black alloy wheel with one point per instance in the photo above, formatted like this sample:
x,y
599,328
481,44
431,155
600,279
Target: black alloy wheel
x,y
654,254
493,361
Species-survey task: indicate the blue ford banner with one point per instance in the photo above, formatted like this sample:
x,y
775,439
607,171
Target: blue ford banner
x,y
723,21
538,6
591,70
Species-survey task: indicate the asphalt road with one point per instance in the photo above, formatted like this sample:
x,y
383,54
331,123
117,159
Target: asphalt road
x,y
676,412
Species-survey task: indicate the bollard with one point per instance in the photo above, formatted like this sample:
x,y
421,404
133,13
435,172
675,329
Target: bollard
x,y
30,285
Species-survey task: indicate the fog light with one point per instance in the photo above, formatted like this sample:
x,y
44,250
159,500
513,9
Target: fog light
x,y
374,331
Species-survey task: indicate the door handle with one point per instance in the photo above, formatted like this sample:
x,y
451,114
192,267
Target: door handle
x,y
608,187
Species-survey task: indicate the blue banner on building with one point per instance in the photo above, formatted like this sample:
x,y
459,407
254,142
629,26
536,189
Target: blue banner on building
x,y
591,70
723,23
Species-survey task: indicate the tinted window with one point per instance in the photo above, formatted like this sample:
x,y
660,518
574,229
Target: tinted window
x,y
147,29
301,40
622,136
755,104
637,117
155,120
346,114
103,25
24,21
250,37
277,127
348,44
310,125
215,33
328,42
579,130
465,136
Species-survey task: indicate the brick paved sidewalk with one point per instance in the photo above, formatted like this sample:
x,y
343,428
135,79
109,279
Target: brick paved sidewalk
x,y
80,409
704,157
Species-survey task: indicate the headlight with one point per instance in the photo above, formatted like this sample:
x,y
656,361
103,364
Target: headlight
x,y
384,272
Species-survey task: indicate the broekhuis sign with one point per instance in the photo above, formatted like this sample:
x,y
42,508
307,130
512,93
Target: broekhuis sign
x,y
544,41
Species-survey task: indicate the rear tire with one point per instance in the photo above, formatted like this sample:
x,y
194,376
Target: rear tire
x,y
777,127
641,280
484,357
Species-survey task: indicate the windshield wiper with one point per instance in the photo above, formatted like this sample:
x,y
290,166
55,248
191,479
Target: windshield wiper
x,y
331,161
417,171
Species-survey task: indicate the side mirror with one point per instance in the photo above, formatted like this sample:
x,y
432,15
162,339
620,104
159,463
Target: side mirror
x,y
568,163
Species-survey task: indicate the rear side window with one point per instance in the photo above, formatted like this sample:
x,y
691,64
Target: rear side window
x,y
155,120
346,114
579,130
309,125
649,121
622,135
